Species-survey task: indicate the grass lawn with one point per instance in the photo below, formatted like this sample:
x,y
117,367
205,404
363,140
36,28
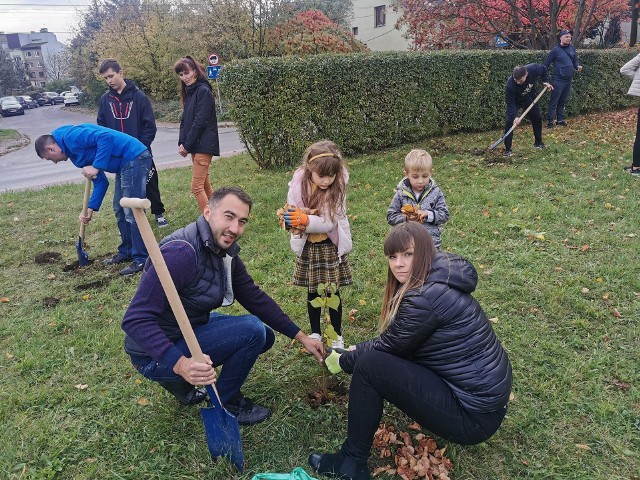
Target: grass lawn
x,y
8,134
552,233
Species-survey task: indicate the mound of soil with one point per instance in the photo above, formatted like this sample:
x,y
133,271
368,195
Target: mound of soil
x,y
47,257
50,302
335,392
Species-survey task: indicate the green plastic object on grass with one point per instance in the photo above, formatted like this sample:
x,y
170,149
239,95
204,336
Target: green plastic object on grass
x,y
296,474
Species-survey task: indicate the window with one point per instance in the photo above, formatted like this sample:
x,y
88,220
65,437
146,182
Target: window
x,y
32,75
41,74
42,84
37,53
39,64
27,54
380,16
354,30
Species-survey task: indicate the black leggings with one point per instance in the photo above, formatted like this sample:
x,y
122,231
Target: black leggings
x,y
314,314
636,144
418,392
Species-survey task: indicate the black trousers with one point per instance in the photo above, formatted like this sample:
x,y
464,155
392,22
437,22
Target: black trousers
x,y
534,115
418,392
153,191
636,144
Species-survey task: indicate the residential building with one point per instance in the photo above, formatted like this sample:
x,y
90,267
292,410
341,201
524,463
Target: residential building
x,y
32,50
374,24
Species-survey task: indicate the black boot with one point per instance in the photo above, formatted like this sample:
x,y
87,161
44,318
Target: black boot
x,y
186,393
338,465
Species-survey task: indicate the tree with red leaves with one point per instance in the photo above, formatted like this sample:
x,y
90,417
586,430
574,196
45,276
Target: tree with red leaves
x,y
530,24
311,32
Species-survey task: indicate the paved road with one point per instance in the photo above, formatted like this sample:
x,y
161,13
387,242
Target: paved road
x,y
22,169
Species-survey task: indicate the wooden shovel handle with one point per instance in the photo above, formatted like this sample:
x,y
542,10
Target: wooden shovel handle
x,y
85,204
137,205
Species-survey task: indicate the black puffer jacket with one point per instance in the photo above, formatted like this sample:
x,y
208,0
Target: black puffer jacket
x,y
199,125
443,328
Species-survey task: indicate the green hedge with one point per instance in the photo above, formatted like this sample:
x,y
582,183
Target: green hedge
x,y
366,102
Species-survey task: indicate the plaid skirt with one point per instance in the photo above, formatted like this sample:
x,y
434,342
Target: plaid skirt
x,y
319,264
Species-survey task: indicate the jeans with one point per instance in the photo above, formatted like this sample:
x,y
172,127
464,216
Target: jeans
x,y
131,181
418,392
232,341
200,184
536,122
559,97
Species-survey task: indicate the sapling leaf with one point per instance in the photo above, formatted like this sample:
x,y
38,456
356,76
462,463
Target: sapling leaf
x,y
332,289
317,302
321,289
333,302
330,333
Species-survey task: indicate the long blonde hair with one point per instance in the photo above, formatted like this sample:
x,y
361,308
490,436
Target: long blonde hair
x,y
324,158
402,237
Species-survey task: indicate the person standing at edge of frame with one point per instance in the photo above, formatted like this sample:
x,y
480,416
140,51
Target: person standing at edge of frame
x,y
124,107
565,64
198,126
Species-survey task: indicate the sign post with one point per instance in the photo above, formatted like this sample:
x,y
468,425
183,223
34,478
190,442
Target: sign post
x,y
212,73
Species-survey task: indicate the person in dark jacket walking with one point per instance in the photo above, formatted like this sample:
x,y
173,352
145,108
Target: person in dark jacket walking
x,y
124,107
204,263
520,92
565,64
198,126
437,358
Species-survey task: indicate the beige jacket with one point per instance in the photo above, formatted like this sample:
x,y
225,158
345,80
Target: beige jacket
x,y
631,69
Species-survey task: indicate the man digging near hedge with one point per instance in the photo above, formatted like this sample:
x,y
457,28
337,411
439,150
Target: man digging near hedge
x,y
520,92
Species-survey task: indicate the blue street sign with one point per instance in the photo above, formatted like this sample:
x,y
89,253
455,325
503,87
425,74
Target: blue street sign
x,y
501,42
212,72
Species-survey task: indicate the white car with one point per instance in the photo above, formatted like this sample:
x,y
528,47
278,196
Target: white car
x,y
70,98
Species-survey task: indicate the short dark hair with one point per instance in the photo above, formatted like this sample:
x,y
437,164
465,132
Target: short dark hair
x,y
109,63
519,72
222,192
41,142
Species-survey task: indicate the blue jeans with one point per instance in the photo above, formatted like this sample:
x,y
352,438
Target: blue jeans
x,y
232,341
131,181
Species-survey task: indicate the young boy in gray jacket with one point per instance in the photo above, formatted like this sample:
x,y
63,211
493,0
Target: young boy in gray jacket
x,y
418,197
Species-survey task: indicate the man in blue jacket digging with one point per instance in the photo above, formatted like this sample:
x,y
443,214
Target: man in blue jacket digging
x,y
97,150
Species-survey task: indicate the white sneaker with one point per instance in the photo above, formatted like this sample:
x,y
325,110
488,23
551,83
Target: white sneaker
x,y
315,336
339,343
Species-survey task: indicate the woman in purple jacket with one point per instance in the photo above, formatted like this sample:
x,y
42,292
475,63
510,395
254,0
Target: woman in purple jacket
x,y
198,126
437,358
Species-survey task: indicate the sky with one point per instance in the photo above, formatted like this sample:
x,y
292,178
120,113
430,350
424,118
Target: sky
x,y
24,16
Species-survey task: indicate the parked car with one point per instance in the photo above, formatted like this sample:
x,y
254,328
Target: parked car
x,y
27,102
70,98
10,106
53,98
40,98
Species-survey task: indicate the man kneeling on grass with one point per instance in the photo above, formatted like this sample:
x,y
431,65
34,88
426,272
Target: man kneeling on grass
x,y
203,261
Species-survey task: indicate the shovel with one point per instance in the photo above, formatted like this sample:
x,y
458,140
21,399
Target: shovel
x,y
83,257
222,429
492,147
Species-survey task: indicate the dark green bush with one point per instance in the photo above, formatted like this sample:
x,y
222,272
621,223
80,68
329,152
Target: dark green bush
x,y
366,102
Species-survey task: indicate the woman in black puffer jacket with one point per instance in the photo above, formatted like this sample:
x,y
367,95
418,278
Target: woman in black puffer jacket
x,y
198,126
437,358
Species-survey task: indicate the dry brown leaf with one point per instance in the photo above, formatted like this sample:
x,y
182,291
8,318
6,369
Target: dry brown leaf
x,y
616,313
143,401
4,300
582,446
620,385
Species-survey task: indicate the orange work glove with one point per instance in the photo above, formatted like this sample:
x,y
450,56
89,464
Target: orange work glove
x,y
295,218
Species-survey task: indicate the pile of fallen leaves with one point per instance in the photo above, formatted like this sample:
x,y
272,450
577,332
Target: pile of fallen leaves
x,y
412,214
294,230
413,458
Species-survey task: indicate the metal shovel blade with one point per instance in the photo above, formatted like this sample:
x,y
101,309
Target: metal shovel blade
x,y
223,432
83,257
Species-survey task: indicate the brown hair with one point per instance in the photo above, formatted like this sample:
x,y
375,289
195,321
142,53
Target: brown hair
x,y
324,158
402,237
109,63
187,63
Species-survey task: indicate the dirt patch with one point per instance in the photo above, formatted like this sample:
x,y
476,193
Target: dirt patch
x,y
8,145
75,267
50,302
335,392
45,258
94,284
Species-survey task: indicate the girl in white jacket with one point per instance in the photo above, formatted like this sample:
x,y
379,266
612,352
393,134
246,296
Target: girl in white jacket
x,y
631,70
323,240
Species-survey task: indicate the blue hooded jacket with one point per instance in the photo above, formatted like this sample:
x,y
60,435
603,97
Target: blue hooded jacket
x,y
103,148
